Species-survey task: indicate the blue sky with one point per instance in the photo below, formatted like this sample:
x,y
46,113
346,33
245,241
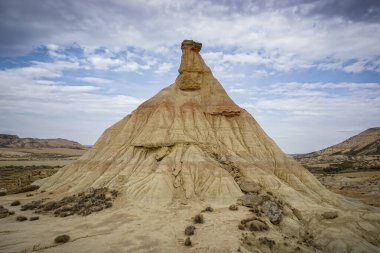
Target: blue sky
x,y
308,71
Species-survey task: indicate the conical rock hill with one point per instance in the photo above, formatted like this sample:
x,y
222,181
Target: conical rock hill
x,y
191,142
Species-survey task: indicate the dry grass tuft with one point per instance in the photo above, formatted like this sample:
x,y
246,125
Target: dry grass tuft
x,y
188,242
198,219
189,230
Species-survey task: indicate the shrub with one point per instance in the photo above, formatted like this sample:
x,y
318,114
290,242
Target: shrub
x,y
33,218
62,239
31,206
21,218
189,230
114,193
188,242
28,188
15,203
199,219
208,209
233,208
267,241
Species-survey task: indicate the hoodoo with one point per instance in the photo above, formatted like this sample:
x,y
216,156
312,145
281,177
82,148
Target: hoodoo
x,y
191,142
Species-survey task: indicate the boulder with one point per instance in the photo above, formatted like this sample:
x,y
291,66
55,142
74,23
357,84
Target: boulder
x,y
273,211
251,186
3,191
257,225
250,200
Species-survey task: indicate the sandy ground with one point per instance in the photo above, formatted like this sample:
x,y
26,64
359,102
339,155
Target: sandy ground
x,y
128,229
364,186
39,162
41,151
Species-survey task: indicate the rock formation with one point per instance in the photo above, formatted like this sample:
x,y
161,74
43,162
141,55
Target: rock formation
x,y
191,142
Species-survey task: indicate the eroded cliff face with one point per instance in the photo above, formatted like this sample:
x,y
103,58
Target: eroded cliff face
x,y
191,142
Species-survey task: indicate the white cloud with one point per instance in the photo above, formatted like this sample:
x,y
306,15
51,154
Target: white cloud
x,y
132,66
163,68
285,36
305,117
356,67
95,80
29,90
104,63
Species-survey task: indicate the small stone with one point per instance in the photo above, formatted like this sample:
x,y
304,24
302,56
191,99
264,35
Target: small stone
x,y
4,212
21,218
62,239
33,218
3,191
15,203
257,225
233,207
250,200
330,215
251,186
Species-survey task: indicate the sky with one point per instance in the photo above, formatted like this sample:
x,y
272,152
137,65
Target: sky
x,y
308,71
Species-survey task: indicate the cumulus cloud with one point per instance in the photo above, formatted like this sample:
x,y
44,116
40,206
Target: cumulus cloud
x,y
288,34
163,68
308,114
95,80
31,105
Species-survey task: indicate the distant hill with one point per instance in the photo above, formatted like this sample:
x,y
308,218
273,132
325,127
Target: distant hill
x,y
364,143
361,151
13,141
12,146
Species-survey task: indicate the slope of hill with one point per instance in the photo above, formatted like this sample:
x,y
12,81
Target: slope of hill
x,y
24,160
13,141
360,152
11,146
364,143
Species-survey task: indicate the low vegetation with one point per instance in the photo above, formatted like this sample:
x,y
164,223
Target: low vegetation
x,y
208,209
4,212
188,242
15,203
21,218
62,239
27,188
199,219
233,207
84,203
189,230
